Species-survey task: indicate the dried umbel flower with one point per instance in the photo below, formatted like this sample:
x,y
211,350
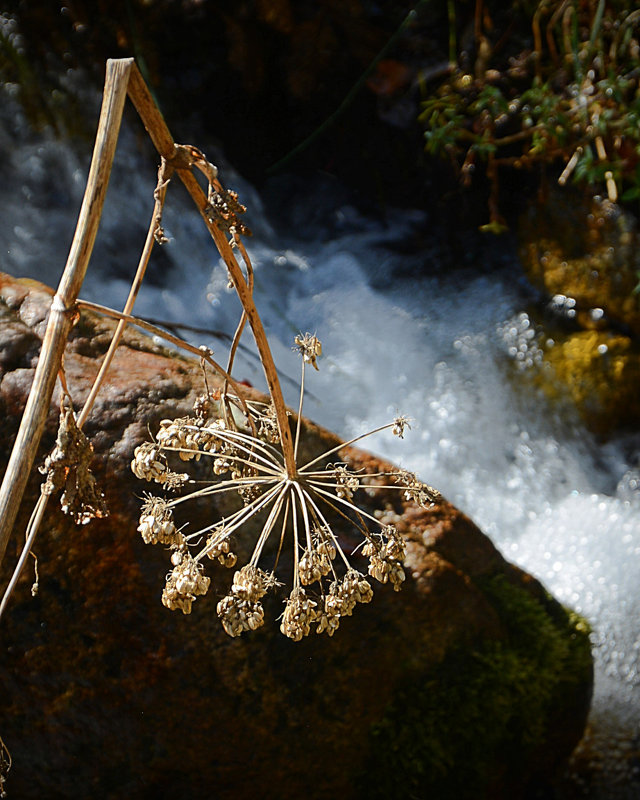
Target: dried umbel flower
x,y
386,553
218,547
399,426
238,615
291,500
149,464
346,482
419,493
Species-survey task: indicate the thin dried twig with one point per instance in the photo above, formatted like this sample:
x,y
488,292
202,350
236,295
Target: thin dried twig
x,y
63,314
184,158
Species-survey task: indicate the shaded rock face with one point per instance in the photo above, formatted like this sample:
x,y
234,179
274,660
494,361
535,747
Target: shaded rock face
x,y
470,682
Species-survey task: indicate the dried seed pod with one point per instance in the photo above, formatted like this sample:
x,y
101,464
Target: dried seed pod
x,y
299,613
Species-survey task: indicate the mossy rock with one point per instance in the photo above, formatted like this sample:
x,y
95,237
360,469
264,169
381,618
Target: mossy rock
x,y
455,729
600,373
584,256
587,251
471,679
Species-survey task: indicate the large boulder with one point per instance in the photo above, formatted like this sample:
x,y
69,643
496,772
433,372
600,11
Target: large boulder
x,y
472,682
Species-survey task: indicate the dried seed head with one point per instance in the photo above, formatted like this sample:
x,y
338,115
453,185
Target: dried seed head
x,y
250,583
399,425
238,615
268,425
313,565
67,467
218,547
309,347
156,523
184,583
418,492
347,482
341,599
149,464
299,613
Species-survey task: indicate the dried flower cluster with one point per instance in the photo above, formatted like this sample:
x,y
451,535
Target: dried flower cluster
x,y
246,458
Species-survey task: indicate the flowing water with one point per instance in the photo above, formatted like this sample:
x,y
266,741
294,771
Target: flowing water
x,y
402,332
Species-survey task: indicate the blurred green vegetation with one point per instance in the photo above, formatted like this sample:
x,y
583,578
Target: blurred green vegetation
x,y
534,84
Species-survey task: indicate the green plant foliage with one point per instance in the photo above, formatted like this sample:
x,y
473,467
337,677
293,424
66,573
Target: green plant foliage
x,y
555,82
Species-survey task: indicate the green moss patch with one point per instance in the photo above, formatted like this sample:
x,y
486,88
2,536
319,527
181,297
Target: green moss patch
x,y
478,723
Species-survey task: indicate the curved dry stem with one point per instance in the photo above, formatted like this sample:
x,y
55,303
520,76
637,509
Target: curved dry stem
x,y
32,530
299,420
343,445
169,337
164,176
243,319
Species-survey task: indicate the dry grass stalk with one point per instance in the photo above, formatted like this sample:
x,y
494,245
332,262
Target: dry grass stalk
x,y
63,311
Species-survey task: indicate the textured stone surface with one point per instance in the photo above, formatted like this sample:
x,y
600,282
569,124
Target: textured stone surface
x,y
470,682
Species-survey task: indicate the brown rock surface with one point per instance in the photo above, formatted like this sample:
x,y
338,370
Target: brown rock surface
x,y
107,694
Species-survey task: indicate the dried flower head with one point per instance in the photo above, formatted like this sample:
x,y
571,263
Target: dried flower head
x,y
247,455
310,347
399,425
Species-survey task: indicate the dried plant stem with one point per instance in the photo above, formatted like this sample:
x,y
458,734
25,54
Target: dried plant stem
x,y
159,194
62,314
32,530
179,156
127,319
236,338
38,513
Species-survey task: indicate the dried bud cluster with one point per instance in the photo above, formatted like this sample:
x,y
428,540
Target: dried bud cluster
x,y
399,426
309,347
346,482
156,523
341,599
149,464
415,490
184,582
299,614
268,425
386,554
218,547
189,436
223,209
241,610
314,564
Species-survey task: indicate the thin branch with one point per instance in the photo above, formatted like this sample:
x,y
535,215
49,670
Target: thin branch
x,y
169,337
152,233
62,314
183,159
